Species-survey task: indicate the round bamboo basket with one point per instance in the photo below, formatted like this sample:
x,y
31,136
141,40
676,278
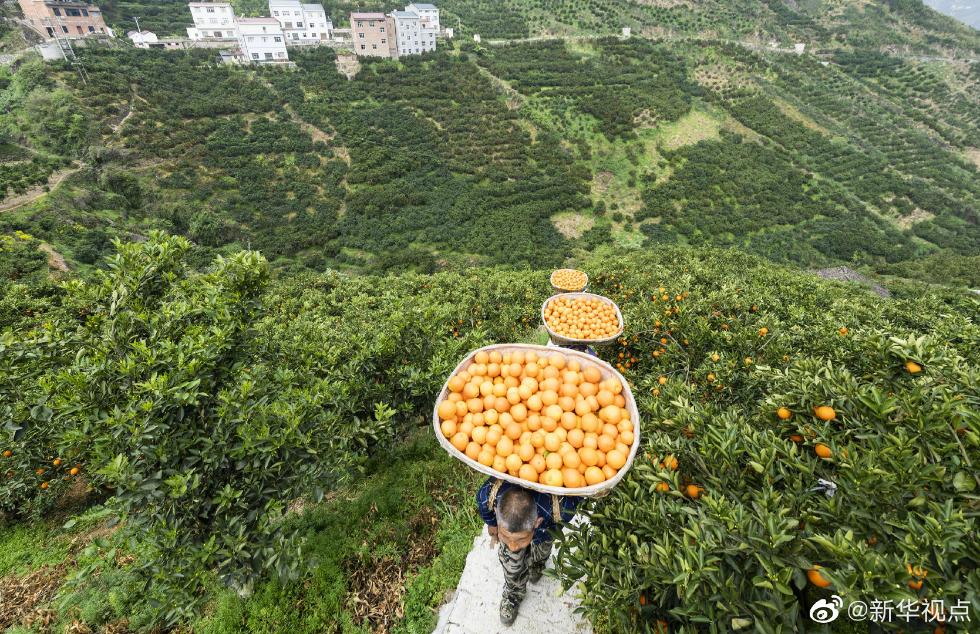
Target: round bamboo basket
x,y
568,290
595,342
605,370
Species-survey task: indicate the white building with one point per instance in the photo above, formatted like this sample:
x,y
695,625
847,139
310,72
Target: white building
x,y
261,41
428,15
415,34
212,21
142,39
302,23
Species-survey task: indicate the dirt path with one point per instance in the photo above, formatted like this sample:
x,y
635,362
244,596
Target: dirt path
x,y
56,261
16,202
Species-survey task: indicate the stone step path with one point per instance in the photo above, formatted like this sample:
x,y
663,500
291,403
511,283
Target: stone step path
x,y
474,607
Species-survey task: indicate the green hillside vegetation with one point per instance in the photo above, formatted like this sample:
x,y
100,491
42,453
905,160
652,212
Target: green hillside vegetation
x,y
205,403
543,147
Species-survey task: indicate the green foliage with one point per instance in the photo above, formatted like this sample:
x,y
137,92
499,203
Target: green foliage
x,y
902,448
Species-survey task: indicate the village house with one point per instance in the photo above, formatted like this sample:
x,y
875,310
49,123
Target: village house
x,y
373,35
64,18
212,21
411,31
302,23
261,40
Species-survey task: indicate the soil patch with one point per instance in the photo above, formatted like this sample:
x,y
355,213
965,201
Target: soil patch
x,y
377,588
21,597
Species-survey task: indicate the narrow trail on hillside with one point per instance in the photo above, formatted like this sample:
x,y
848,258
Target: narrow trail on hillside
x,y
474,606
32,194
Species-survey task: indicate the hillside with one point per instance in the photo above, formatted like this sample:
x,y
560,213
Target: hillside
x,y
314,378
516,154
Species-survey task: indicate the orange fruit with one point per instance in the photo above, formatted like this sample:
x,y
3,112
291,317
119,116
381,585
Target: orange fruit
x,y
44,485
485,458
594,475
479,435
552,477
572,478
615,459
589,456
913,367
783,413
56,462
608,471
505,447
473,450
538,462
571,459
822,450
74,471
499,464
693,491
554,460
796,438
525,452
460,440
662,487
527,472
447,410
513,463
817,579
915,584
825,412
670,462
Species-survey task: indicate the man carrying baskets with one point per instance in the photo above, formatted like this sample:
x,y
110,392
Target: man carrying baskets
x,y
522,521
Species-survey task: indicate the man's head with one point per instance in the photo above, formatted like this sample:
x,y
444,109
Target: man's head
x,y
517,517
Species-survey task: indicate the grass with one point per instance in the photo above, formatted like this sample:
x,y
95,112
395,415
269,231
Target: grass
x,y
396,541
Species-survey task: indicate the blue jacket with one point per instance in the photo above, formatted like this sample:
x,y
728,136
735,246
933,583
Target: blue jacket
x,y
543,501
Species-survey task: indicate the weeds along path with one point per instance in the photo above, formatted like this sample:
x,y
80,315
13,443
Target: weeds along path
x,y
32,194
474,606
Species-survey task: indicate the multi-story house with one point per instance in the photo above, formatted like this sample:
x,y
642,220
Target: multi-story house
x,y
428,16
416,28
302,23
407,32
261,41
64,18
212,21
373,35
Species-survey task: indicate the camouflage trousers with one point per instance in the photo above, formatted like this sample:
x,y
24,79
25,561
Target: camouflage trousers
x,y
517,567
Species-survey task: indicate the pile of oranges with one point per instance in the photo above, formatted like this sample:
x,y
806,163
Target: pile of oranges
x,y
581,317
569,279
543,418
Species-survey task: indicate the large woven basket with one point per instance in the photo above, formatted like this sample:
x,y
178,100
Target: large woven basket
x,y
605,369
583,342
568,290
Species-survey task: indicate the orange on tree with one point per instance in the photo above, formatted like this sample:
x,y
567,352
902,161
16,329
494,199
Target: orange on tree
x,y
842,331
915,584
662,487
824,412
693,491
822,450
784,413
763,331
670,462
913,367
44,485
7,453
817,579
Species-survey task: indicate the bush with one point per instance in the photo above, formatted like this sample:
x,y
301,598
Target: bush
x,y
903,451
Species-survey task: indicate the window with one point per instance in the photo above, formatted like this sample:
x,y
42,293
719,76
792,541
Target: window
x,y
299,25
255,55
56,10
268,55
289,25
210,9
91,29
371,23
50,31
64,28
295,36
382,29
360,35
374,46
85,12
360,24
275,13
73,12
362,47
280,54
277,39
384,41
78,27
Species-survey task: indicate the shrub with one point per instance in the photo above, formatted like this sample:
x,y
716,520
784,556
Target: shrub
x,y
903,450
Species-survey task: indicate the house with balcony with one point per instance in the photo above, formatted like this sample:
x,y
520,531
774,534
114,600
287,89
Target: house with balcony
x,y
302,23
212,21
261,41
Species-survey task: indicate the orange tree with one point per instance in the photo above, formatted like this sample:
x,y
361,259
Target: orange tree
x,y
801,439
205,402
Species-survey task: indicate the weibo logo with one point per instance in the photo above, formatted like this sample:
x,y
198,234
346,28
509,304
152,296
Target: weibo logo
x,y
824,611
